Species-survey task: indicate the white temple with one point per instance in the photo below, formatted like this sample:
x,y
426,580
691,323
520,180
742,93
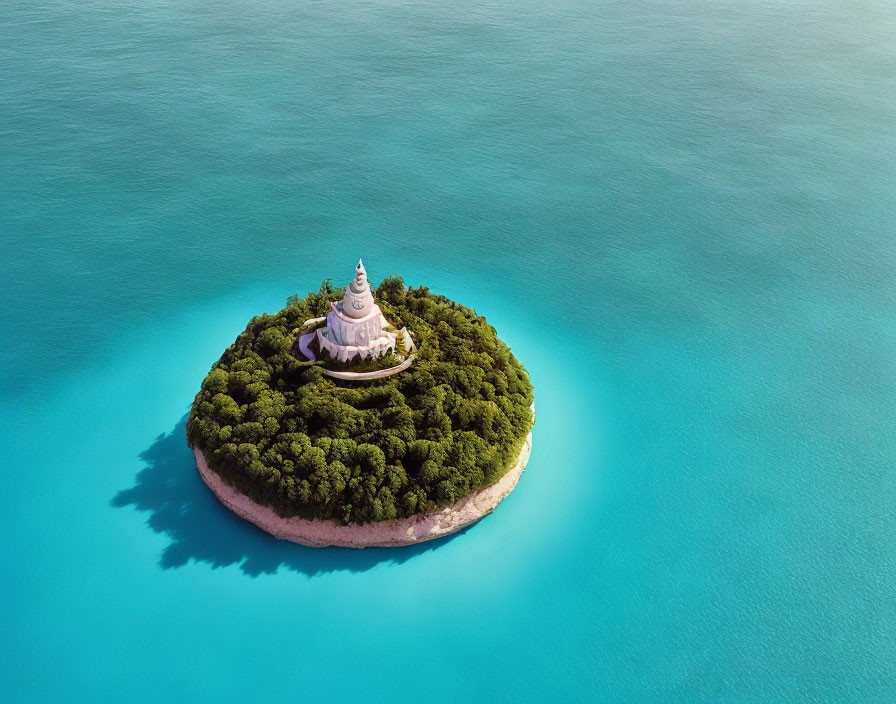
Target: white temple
x,y
356,327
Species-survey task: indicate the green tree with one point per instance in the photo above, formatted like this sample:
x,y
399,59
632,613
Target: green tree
x,y
306,444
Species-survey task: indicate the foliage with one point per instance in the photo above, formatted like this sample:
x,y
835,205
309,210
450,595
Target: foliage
x,y
310,445
385,361
356,364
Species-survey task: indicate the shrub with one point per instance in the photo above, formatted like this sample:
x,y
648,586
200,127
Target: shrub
x,y
310,445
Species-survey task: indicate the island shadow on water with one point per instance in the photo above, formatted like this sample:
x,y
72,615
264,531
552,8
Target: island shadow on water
x,y
182,508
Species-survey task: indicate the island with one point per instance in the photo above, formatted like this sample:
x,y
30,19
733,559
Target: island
x,y
352,420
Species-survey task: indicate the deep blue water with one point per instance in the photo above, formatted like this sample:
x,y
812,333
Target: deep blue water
x,y
680,215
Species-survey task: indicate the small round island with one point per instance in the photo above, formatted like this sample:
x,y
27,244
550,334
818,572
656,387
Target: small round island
x,y
345,420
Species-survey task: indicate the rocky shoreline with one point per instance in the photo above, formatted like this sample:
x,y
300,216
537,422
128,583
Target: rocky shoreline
x,y
394,533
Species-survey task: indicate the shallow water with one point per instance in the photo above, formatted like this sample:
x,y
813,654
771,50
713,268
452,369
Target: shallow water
x,y
679,215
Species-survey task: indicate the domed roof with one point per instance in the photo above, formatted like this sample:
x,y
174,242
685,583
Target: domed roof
x,y
358,299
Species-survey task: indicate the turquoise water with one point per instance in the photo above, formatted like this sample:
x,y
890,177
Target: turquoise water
x,y
680,215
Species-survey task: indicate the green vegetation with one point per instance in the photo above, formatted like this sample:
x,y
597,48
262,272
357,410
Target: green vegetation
x,y
386,361
306,444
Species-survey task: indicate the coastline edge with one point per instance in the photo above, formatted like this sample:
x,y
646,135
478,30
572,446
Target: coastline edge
x,y
320,533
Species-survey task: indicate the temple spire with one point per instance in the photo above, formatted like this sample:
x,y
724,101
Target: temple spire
x,y
356,326
359,283
358,299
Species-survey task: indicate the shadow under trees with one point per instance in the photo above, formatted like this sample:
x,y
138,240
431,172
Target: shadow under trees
x,y
200,529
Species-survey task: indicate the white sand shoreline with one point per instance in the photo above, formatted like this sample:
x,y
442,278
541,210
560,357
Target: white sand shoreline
x,y
394,533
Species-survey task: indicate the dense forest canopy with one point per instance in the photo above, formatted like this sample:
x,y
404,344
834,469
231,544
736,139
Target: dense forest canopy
x,y
310,445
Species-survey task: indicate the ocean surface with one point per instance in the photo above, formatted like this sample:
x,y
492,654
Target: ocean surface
x,y
680,215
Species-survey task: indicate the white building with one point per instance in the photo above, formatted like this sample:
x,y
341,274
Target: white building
x,y
356,327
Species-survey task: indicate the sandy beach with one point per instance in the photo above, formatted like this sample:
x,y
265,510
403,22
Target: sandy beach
x,y
394,533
